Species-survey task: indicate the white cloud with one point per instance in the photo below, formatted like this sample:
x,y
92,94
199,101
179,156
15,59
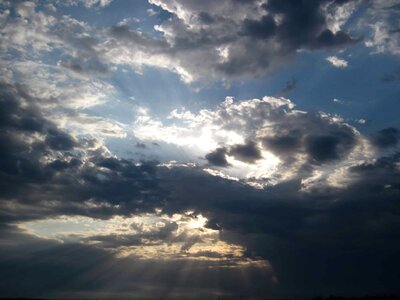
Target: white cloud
x,y
337,16
382,18
87,3
151,12
337,62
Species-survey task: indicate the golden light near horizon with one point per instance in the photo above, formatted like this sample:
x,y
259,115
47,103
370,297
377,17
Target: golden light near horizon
x,y
180,236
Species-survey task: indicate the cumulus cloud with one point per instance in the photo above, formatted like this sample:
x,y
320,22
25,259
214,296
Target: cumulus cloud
x,y
259,141
337,62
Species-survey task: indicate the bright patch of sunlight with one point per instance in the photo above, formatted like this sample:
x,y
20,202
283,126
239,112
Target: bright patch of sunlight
x,y
147,236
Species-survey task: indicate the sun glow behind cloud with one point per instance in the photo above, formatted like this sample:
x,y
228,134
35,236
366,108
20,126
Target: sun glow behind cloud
x,y
246,137
147,237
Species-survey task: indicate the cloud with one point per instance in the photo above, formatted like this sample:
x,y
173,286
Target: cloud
x,y
87,3
382,19
217,157
337,62
199,42
248,152
259,141
283,201
41,163
70,207
386,138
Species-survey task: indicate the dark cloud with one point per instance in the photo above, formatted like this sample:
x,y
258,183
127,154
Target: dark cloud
x,y
218,157
248,152
255,39
388,137
304,25
41,163
262,29
328,39
322,148
321,140
57,140
325,237
284,144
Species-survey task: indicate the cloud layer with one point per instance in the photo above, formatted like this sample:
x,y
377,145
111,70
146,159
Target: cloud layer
x,y
336,237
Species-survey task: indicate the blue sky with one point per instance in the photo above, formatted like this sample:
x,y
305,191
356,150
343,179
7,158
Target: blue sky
x,y
210,148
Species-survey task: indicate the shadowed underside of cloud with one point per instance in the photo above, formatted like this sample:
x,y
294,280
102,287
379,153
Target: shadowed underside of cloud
x,y
217,157
326,239
388,137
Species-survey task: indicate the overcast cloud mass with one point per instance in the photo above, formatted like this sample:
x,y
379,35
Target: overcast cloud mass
x,y
185,148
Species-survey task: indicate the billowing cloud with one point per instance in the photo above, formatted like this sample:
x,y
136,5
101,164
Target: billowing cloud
x,y
260,141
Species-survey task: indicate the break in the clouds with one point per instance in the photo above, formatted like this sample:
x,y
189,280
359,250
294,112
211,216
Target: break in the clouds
x,y
192,148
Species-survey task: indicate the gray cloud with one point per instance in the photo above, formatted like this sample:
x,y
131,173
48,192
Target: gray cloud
x,y
217,157
247,152
41,163
200,41
385,138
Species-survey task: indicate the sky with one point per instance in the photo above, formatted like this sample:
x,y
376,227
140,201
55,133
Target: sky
x,y
203,149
